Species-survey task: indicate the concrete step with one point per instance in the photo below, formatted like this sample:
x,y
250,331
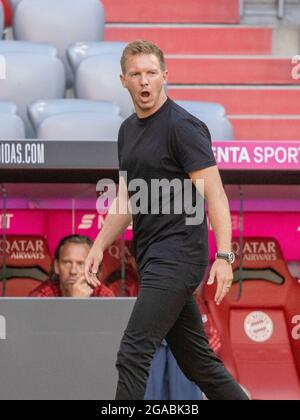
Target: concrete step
x,y
232,70
266,127
172,11
178,39
243,100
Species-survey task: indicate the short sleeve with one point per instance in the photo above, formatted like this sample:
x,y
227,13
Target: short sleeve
x,y
120,146
191,145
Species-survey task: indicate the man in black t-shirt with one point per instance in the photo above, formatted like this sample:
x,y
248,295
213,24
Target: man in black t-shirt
x,y
167,168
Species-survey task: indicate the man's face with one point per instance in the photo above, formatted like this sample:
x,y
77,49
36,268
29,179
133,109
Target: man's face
x,y
144,80
70,266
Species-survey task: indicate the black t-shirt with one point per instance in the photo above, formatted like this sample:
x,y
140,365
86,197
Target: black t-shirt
x,y
165,146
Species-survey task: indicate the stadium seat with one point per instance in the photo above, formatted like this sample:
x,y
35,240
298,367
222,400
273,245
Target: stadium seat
x,y
27,47
41,110
258,344
111,270
60,23
213,115
8,107
82,50
75,119
97,78
32,83
28,263
11,125
7,12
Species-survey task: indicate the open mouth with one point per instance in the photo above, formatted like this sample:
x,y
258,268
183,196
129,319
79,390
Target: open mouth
x,y
145,95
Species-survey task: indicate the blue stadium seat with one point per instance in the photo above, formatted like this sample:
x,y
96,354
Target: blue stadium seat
x,y
82,50
60,23
74,119
97,78
11,125
30,77
213,115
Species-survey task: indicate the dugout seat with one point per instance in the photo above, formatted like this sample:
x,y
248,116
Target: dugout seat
x,y
7,12
75,119
111,270
32,83
28,263
60,23
11,125
257,331
213,115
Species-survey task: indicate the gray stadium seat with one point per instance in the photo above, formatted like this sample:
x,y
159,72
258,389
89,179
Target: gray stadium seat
x,y
30,77
60,23
97,78
11,125
1,20
8,107
27,47
213,115
81,126
41,110
79,51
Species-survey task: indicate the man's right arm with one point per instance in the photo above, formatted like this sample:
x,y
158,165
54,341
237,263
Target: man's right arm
x,y
117,220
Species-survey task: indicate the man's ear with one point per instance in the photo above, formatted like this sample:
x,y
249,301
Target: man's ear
x,y
56,269
166,74
123,80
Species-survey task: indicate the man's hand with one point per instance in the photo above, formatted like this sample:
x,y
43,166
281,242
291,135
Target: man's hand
x,y
92,267
81,289
222,271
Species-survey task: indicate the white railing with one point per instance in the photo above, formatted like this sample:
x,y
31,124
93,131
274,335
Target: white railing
x,y
279,12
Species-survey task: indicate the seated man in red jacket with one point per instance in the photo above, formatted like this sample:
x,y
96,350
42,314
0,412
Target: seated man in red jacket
x,y
67,277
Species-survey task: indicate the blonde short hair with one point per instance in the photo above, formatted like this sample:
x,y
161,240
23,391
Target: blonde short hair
x,y
142,47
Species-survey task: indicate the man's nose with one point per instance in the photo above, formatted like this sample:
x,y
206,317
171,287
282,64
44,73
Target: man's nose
x,y
144,80
74,269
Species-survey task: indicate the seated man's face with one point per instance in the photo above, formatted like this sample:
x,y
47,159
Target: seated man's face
x,y
70,266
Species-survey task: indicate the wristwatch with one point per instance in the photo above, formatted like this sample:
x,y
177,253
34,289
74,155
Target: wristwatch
x,y
229,257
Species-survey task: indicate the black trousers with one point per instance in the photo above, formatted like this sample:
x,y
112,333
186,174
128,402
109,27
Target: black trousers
x,y
166,308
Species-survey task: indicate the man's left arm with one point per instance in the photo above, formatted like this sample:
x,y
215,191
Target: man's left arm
x,y
219,216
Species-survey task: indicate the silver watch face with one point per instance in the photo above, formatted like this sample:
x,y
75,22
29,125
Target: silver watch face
x,y
231,257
